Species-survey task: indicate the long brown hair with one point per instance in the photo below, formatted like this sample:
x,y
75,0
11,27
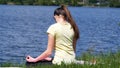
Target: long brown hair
x,y
63,10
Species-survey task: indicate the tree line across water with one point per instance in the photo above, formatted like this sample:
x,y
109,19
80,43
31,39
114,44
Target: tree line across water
x,y
108,3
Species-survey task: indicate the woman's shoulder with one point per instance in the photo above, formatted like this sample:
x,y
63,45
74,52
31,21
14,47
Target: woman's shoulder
x,y
54,25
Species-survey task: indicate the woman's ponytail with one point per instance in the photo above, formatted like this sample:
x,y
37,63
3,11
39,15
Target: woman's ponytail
x,y
73,24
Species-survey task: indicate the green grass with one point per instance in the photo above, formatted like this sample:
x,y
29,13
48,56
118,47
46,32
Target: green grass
x,y
108,60
11,65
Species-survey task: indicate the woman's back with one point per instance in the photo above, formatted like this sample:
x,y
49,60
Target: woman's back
x,y
63,34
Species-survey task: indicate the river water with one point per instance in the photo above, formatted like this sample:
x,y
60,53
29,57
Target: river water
x,y
23,30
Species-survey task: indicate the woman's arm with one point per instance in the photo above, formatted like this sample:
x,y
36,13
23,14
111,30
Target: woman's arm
x,y
46,53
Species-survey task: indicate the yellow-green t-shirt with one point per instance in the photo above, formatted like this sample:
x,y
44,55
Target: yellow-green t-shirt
x,y
63,34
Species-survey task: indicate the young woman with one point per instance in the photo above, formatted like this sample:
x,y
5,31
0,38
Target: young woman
x,y
62,37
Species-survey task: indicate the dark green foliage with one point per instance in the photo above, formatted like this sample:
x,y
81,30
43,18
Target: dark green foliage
x,y
40,2
114,3
93,1
111,3
3,1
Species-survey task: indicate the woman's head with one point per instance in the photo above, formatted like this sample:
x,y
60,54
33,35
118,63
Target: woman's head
x,y
64,12
59,12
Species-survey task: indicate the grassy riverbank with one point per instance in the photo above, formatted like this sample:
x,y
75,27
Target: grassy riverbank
x,y
108,60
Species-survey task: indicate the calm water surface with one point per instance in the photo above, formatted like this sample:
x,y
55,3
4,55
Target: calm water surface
x,y
23,30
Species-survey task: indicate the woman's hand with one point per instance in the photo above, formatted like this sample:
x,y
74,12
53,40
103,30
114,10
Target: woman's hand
x,y
30,59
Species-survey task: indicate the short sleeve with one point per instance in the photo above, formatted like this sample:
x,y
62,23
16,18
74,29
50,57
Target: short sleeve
x,y
51,30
